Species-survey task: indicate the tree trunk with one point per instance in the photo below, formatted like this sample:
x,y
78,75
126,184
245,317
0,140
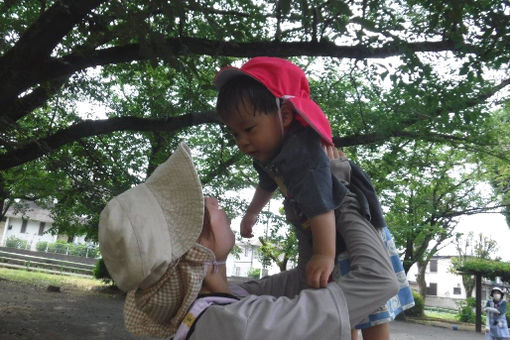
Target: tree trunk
x,y
3,197
283,264
478,321
420,279
468,281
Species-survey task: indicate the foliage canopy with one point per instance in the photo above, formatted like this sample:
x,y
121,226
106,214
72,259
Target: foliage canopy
x,y
486,268
95,94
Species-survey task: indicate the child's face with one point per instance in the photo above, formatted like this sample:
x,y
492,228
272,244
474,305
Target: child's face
x,y
257,135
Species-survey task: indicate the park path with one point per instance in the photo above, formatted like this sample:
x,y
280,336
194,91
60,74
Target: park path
x,y
412,331
30,312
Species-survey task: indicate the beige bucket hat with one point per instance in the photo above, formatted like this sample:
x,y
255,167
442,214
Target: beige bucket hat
x,y
148,239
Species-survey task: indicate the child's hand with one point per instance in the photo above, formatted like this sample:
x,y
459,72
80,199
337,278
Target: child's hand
x,y
246,225
318,270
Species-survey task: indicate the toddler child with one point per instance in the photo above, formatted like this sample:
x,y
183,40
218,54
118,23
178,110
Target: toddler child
x,y
267,107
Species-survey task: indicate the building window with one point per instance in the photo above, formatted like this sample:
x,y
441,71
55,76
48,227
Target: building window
x,y
432,289
41,227
237,271
433,266
23,225
246,250
456,290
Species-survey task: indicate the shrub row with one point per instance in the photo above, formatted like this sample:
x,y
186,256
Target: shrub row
x,y
14,242
62,247
59,247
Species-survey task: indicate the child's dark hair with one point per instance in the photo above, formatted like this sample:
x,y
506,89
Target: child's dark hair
x,y
242,91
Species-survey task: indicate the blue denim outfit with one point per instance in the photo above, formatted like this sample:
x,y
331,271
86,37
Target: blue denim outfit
x,y
302,172
498,327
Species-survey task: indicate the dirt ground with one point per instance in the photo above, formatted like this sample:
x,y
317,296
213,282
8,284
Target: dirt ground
x,y
32,312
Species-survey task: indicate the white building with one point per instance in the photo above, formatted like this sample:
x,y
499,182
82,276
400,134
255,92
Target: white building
x,y
444,287
31,224
248,260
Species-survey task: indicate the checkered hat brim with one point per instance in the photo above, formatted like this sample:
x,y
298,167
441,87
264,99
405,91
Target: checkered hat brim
x,y
159,310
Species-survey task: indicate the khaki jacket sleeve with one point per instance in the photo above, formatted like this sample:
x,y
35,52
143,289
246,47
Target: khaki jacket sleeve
x,y
313,314
288,283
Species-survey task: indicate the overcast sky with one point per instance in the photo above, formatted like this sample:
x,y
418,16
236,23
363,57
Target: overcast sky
x,y
491,225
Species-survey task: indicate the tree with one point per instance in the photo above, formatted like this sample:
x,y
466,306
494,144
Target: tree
x,y
431,188
55,41
468,248
498,169
488,269
147,66
279,244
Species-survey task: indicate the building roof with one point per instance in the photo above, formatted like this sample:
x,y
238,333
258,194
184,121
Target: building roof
x,y
29,210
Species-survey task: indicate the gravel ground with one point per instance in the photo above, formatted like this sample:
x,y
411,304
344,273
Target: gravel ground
x,y
412,331
31,312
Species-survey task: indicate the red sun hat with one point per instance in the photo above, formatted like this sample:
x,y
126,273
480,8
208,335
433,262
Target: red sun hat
x,y
284,80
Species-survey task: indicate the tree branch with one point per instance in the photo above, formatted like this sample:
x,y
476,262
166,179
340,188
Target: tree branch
x,y
42,36
187,46
221,168
89,128
25,105
36,44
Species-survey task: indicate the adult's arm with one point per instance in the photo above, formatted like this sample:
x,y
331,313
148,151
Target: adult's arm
x,y
502,308
313,314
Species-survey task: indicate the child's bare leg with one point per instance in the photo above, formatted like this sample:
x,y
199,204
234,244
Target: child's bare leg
x,y
379,332
354,334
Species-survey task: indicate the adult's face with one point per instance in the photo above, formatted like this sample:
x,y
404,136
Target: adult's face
x,y
216,234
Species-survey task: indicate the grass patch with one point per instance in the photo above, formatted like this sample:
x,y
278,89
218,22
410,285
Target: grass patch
x,y
441,315
45,279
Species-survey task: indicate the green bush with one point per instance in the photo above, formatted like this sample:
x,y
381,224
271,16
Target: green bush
x,y
62,247
466,312
41,245
419,306
101,272
78,249
59,247
471,302
14,242
254,273
93,252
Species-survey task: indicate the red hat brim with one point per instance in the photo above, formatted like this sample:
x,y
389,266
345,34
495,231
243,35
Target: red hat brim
x,y
308,110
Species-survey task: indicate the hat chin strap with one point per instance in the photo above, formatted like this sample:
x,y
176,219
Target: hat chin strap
x,y
284,97
280,115
215,264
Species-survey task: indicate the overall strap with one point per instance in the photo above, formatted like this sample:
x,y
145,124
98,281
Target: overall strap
x,y
198,307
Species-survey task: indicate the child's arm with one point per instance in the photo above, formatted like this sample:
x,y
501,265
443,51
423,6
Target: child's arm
x,y
259,200
321,264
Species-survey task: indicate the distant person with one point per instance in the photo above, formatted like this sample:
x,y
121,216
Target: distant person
x,y
166,245
496,327
266,105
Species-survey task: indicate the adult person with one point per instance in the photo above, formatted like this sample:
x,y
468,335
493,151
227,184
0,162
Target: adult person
x,y
166,246
496,327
